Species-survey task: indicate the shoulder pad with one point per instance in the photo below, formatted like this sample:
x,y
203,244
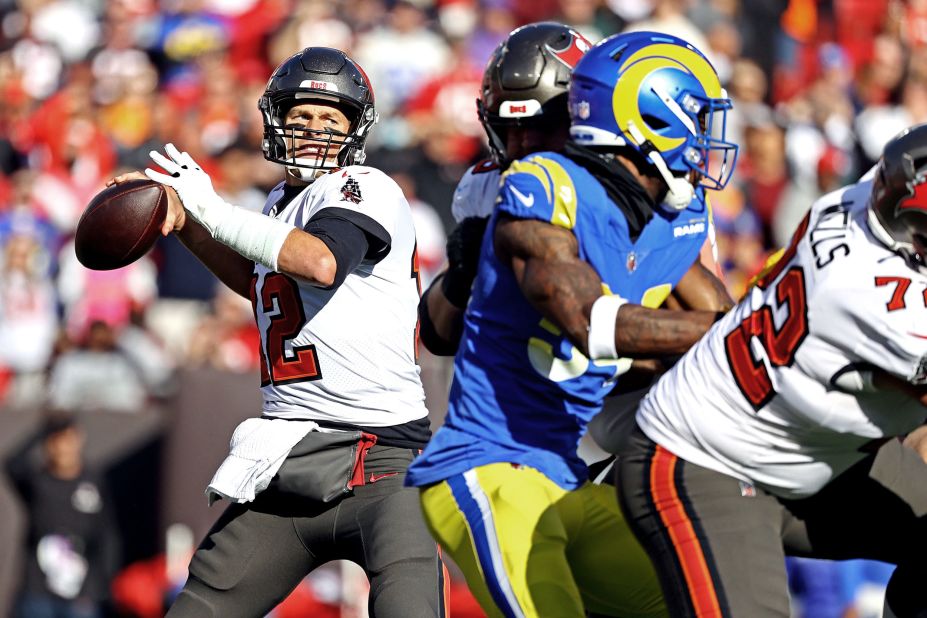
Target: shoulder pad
x,y
476,193
541,177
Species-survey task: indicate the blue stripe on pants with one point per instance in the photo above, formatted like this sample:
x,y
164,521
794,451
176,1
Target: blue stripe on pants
x,y
475,516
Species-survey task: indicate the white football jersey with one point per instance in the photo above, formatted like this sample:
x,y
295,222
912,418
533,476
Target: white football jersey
x,y
345,355
755,398
475,195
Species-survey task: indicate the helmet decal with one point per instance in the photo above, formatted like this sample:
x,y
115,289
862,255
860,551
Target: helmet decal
x,y
645,62
526,81
571,54
917,198
659,95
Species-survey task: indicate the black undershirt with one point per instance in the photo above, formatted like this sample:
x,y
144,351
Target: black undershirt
x,y
622,188
352,237
414,434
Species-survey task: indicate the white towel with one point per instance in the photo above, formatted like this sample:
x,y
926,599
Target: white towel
x,y
256,451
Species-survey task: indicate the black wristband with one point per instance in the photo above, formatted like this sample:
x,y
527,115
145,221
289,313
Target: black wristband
x,y
456,285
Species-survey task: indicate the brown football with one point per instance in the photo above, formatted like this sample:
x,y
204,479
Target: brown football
x,y
121,224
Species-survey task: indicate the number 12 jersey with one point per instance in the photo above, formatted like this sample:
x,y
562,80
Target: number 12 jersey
x,y
345,355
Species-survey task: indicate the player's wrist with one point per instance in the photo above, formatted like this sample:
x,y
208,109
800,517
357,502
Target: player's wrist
x,y
253,235
602,324
456,286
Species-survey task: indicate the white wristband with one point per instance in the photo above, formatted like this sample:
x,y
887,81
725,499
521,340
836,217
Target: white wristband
x,y
602,326
253,235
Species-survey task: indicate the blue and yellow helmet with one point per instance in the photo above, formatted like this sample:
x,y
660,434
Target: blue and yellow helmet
x,y
659,95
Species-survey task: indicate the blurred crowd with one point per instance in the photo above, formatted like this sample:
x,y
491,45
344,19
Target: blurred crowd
x,y
89,87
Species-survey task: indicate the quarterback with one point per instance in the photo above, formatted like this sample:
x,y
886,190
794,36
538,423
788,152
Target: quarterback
x,y
764,439
330,267
580,247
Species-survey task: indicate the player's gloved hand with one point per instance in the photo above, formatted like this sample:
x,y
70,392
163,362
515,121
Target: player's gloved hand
x,y
251,234
463,258
193,186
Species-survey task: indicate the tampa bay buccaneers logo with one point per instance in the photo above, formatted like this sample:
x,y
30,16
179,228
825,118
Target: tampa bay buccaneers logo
x,y
574,50
351,192
917,196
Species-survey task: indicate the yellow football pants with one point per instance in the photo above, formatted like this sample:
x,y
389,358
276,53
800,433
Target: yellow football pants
x,y
530,548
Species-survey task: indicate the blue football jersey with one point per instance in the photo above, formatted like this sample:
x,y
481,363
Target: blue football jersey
x,y
522,393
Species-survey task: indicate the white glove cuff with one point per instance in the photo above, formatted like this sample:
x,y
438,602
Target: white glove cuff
x,y
253,235
602,326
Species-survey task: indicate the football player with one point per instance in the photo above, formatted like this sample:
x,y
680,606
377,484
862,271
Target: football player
x,y
763,440
330,268
523,109
580,247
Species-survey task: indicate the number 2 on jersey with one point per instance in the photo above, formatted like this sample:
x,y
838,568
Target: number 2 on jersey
x,y
780,345
281,302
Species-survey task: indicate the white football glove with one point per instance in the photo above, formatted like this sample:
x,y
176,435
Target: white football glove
x,y
193,186
251,234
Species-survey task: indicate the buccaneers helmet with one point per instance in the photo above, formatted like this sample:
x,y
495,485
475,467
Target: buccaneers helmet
x,y
525,82
898,201
317,74
656,94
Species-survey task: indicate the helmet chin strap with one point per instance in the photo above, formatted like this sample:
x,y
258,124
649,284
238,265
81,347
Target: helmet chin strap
x,y
680,191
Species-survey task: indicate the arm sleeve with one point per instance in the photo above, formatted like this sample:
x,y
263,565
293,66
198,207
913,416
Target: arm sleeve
x,y
348,242
433,341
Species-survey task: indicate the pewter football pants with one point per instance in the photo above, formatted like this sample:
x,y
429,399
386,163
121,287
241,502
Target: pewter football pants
x,y
257,553
719,545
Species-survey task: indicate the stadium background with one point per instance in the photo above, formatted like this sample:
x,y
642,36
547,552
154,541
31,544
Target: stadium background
x,y
160,363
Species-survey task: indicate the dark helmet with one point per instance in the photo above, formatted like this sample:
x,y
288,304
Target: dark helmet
x,y
525,82
317,74
898,202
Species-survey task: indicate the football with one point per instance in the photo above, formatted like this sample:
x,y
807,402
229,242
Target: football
x,y
120,224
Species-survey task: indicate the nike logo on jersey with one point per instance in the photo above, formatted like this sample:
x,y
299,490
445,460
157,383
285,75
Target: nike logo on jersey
x,y
379,477
526,200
